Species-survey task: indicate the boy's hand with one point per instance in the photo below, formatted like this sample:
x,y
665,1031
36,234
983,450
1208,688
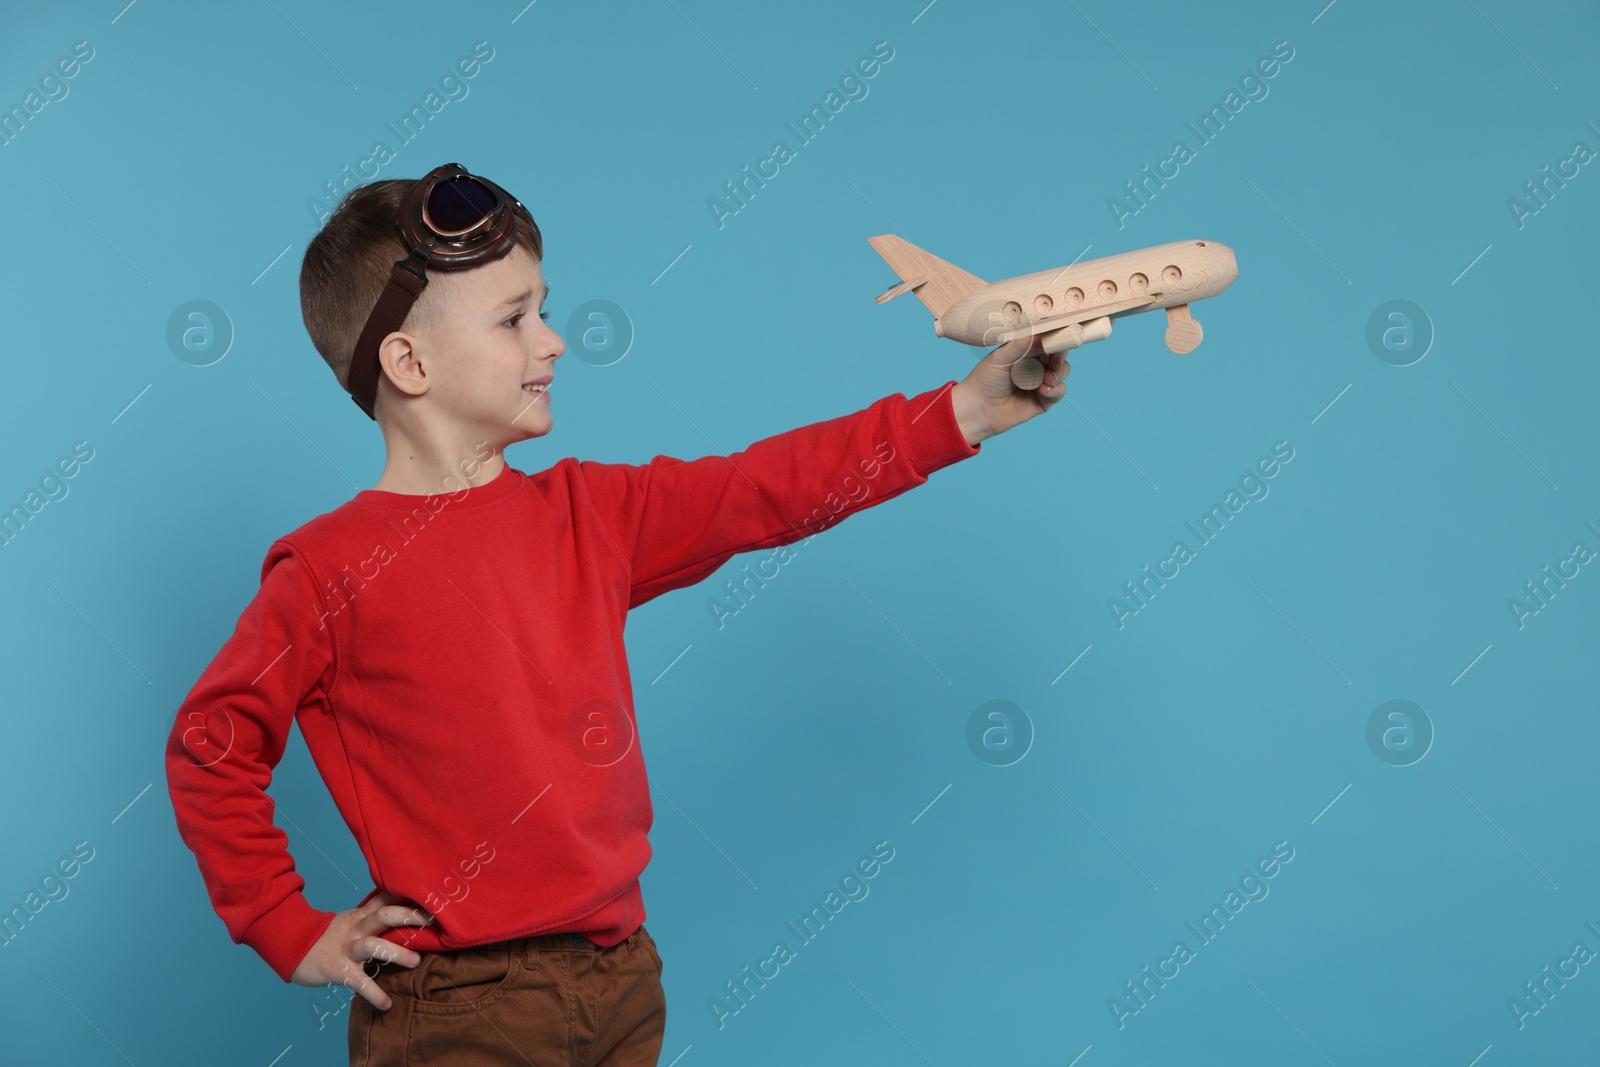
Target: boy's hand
x,y
351,939
986,402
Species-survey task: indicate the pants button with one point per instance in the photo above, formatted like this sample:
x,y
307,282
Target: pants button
x,y
577,939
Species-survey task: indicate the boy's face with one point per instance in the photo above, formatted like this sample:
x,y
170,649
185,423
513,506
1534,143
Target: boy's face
x,y
483,348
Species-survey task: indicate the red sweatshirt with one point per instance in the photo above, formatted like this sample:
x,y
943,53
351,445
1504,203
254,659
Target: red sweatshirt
x,y
456,664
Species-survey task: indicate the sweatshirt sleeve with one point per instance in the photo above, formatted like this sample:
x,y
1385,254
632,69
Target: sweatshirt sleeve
x,y
230,733
676,521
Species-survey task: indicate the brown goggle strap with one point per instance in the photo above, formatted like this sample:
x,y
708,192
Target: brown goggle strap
x,y
387,315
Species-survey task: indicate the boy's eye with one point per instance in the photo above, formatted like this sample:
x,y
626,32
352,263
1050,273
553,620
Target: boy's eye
x,y
519,316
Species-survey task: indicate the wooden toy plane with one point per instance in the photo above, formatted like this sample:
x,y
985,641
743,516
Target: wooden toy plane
x,y
1067,307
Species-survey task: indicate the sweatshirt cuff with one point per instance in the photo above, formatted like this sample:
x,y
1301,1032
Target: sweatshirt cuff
x,y
286,933
929,432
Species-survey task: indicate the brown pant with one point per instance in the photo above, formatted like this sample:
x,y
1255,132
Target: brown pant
x,y
551,1000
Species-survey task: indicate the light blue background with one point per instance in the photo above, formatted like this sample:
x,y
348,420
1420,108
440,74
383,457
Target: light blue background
x,y
829,713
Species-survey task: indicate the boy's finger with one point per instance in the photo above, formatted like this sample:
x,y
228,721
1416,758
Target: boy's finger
x,y
1051,392
369,989
1057,375
404,915
394,915
378,902
1011,351
384,951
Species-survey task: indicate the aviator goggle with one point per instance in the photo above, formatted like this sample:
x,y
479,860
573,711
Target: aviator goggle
x,y
448,220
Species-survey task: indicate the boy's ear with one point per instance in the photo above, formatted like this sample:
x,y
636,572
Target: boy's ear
x,y
401,360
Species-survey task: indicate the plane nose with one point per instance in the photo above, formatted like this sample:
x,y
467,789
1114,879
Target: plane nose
x,y
1220,264
1225,261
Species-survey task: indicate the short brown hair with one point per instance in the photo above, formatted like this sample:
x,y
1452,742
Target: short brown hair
x,y
347,264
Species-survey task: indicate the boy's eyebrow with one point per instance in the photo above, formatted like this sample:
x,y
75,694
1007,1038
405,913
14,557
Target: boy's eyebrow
x,y
511,301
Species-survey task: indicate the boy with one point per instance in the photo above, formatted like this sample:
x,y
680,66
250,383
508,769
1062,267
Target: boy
x,y
451,644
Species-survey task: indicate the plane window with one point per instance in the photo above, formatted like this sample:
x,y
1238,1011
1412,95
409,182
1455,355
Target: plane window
x,y
1138,283
1042,303
1108,288
1074,297
1013,312
1171,274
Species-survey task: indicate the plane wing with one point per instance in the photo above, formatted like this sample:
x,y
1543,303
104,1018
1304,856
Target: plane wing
x,y
1056,322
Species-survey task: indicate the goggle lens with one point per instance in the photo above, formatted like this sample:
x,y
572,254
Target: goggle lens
x,y
458,205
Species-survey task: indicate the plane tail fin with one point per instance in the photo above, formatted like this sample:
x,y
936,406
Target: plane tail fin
x,y
937,284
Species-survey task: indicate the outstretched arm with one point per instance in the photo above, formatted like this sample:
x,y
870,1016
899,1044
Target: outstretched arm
x,y
676,521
